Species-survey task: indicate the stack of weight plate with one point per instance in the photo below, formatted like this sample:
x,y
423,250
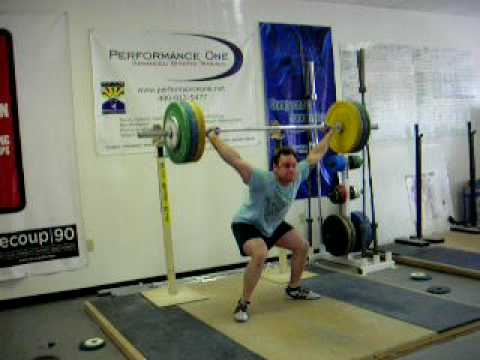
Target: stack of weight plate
x,y
342,235
186,122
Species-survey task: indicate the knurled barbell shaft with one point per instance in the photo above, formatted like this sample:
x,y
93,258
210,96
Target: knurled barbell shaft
x,y
276,128
159,132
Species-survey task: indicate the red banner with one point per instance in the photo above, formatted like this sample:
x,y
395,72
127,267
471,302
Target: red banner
x,y
12,191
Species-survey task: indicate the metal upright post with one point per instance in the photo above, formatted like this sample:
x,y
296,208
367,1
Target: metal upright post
x,y
418,180
472,200
470,225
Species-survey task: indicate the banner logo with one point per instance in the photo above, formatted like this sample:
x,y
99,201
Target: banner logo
x,y
113,92
206,58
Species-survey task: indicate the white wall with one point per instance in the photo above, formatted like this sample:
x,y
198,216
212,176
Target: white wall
x,y
120,201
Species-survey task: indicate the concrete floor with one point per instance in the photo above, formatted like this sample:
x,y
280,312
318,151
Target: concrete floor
x,y
53,329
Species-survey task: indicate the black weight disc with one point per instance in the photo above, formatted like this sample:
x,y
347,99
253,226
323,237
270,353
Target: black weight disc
x,y
440,290
336,235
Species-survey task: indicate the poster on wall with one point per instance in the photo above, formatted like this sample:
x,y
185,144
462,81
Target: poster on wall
x,y
299,84
40,221
136,76
12,190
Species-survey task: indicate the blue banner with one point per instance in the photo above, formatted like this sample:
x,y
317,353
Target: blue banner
x,y
299,89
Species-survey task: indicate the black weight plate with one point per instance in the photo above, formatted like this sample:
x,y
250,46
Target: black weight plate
x,y
363,230
440,290
336,235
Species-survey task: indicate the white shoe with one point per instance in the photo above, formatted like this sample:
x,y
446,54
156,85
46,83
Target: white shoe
x,y
241,311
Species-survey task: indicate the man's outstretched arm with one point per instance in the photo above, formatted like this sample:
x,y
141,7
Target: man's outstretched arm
x,y
230,155
319,151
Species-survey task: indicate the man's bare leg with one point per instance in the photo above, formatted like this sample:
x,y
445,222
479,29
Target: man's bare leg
x,y
294,242
257,250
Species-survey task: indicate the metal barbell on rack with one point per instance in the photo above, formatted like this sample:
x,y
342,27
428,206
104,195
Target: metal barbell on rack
x,y
184,129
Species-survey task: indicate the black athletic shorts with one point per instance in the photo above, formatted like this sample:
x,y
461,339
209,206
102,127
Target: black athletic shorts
x,y
244,232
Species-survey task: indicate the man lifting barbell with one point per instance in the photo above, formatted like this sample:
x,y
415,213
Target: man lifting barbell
x,y
259,223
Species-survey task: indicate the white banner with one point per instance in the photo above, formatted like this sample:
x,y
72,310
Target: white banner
x,y
136,76
46,234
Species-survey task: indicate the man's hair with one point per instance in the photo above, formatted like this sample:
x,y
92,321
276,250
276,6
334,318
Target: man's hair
x,y
285,151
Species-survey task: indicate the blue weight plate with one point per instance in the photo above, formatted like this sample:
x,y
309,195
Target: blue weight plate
x,y
336,162
363,229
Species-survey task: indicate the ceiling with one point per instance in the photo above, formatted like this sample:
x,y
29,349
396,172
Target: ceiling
x,y
450,7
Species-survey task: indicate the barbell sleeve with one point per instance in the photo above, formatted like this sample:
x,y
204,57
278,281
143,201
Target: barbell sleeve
x,y
156,131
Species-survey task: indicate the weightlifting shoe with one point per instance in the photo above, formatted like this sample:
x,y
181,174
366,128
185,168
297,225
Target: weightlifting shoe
x,y
241,313
301,293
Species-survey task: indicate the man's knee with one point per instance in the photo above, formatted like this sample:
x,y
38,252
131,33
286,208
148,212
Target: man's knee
x,y
257,250
302,247
259,256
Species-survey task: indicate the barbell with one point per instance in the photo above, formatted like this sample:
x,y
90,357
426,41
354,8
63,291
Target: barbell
x,y
184,129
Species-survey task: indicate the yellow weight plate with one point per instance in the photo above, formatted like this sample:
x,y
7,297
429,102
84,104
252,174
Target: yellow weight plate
x,y
200,118
346,121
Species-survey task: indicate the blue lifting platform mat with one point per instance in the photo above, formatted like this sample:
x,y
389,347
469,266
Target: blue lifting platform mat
x,y
424,310
169,332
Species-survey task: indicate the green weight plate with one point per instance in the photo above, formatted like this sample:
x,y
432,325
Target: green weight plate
x,y
175,112
354,162
194,130
336,235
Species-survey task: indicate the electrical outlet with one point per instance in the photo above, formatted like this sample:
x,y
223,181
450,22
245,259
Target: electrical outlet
x,y
90,245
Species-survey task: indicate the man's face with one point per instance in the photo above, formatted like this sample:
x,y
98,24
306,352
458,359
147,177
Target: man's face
x,y
286,169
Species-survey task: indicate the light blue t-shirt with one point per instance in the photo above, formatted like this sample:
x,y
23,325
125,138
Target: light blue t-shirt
x,y
269,201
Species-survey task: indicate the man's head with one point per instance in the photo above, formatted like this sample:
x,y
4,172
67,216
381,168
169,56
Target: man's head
x,y
285,165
